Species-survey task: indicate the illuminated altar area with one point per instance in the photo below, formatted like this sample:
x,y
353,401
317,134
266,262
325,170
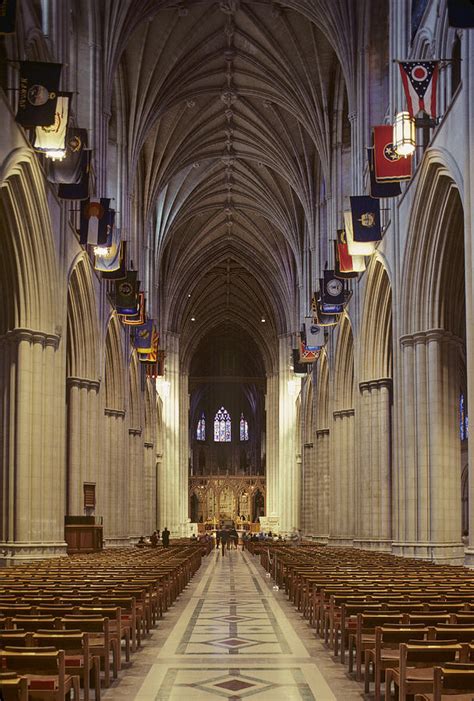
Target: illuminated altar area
x,y
217,499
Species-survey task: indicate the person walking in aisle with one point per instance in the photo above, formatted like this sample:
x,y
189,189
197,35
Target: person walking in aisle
x,y
224,540
165,537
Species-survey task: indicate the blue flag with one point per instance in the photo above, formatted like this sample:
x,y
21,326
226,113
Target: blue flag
x,y
365,212
143,337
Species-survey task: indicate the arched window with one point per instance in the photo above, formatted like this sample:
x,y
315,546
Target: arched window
x,y
201,428
244,429
222,426
463,420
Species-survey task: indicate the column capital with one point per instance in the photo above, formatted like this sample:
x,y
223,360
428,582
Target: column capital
x,y
148,444
32,336
134,431
343,413
322,432
376,384
114,412
83,383
423,337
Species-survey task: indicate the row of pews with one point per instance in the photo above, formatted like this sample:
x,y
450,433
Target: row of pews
x,y
72,622
403,627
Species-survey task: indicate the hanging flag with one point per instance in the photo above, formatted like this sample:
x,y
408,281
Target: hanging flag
x,y
318,316
461,13
365,219
126,294
381,189
420,79
68,169
52,140
298,368
351,265
332,290
142,337
80,189
7,16
356,248
152,356
337,268
94,221
39,85
387,164
313,334
307,355
108,257
139,318
156,369
119,273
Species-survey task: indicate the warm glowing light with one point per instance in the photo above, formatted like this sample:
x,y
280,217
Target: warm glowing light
x,y
262,320
294,387
404,134
193,318
162,387
101,251
56,154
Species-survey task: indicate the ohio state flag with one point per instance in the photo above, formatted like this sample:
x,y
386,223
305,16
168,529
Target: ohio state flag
x,y
388,165
420,80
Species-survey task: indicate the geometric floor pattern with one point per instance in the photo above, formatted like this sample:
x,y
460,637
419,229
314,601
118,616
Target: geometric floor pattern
x,y
231,638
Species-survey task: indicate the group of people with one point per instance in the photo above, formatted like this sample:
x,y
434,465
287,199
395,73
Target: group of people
x,y
227,537
154,539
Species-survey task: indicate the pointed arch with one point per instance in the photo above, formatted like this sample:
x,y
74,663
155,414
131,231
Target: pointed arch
x,y
322,393
114,367
135,395
82,327
344,367
28,265
376,328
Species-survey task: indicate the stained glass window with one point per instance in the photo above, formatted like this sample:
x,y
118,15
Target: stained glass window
x,y
201,428
222,426
463,419
244,429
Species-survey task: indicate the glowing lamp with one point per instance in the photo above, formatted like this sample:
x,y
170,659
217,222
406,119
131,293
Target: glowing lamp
x,y
404,134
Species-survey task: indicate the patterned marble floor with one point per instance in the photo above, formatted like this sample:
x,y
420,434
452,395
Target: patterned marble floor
x,y
231,636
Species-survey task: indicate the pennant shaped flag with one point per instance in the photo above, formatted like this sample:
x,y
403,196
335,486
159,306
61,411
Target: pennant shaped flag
x,y
356,248
119,273
126,294
352,265
52,140
420,80
387,164
80,189
68,169
94,221
7,16
461,13
139,318
142,337
39,85
314,334
365,219
332,290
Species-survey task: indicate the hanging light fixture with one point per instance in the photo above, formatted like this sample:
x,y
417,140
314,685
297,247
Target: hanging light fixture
x,y
404,134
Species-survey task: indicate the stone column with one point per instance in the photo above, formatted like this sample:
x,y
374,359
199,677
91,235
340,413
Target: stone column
x,y
321,529
271,471
288,470
341,479
430,501
81,439
373,517
308,492
137,485
114,487
32,425
184,453
150,520
171,493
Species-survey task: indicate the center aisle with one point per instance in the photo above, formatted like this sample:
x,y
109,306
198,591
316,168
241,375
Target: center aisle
x,y
230,636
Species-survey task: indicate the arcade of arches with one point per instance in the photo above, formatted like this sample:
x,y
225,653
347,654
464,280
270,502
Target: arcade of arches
x,y
230,136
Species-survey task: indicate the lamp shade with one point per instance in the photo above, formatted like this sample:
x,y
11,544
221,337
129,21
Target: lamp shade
x,y
404,134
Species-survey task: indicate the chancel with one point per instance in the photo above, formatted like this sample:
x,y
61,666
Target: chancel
x,y
237,311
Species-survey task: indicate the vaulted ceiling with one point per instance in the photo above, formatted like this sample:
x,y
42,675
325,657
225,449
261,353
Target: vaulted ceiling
x,y
233,110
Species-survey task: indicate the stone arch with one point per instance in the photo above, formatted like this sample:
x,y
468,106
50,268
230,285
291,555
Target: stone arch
x,y
375,356
82,372
433,324
344,367
114,366
28,267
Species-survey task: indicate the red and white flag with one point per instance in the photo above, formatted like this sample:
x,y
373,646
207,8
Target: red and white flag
x,y
420,80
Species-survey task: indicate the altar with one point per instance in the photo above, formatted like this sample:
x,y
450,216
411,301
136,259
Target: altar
x,y
236,499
